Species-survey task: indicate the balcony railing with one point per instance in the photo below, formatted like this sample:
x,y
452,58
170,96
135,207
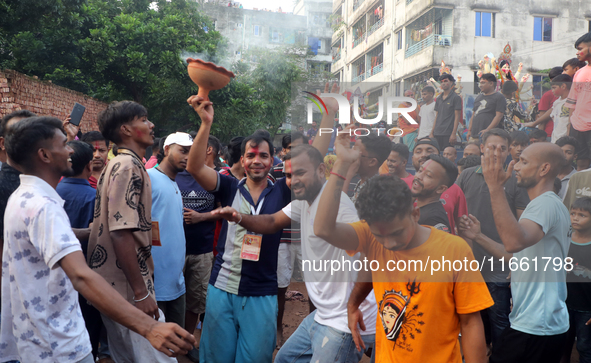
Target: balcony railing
x,y
376,26
358,40
336,58
358,79
375,70
357,4
435,39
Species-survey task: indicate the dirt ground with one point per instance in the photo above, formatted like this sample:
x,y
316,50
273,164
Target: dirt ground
x,y
295,312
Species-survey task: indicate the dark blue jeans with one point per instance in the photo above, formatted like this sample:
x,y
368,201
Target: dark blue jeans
x,y
582,332
498,314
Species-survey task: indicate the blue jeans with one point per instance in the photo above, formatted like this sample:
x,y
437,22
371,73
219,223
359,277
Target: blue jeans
x,y
498,314
313,342
583,333
238,329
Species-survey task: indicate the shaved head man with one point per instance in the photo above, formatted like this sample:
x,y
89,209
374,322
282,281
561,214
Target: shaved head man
x,y
471,149
540,233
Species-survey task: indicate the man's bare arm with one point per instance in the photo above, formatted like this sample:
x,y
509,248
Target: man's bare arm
x,y
473,341
361,289
124,246
163,336
262,223
203,174
81,233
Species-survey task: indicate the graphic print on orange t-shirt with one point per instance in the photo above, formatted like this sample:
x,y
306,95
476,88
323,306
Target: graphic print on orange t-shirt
x,y
401,319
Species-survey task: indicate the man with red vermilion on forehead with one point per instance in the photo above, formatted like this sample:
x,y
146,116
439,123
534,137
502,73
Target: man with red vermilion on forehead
x,y
100,147
241,304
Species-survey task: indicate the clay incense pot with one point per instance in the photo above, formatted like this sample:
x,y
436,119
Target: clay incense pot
x,y
208,76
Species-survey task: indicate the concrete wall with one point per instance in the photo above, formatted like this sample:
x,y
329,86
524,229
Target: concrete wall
x,y
19,91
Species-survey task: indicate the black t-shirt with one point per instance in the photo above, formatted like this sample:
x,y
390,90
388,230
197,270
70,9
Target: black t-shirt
x,y
433,214
485,110
578,281
199,236
446,113
9,182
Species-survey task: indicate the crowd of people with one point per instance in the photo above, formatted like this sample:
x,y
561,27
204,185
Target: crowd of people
x,y
108,256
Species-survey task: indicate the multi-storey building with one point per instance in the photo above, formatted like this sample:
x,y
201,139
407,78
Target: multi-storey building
x,y
392,44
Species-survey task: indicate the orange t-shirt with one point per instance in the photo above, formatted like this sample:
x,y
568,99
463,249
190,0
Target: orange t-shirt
x,y
418,317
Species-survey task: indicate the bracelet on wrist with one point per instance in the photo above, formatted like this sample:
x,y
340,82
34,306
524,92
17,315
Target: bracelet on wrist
x,y
339,175
233,223
142,299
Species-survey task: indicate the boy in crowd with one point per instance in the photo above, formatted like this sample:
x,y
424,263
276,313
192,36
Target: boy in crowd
x,y
544,107
121,237
513,109
409,300
578,281
100,147
427,112
539,317
374,150
397,161
44,265
489,108
570,148
519,141
579,101
448,113
537,135
571,66
450,153
168,244
560,114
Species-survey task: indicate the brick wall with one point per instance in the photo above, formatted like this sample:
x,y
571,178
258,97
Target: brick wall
x,y
19,91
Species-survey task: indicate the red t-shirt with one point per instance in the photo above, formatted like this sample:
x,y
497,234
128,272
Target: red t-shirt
x,y
92,180
545,104
454,203
408,180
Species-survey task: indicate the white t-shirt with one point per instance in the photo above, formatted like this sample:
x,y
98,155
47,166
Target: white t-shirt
x,y
427,114
41,317
560,115
329,293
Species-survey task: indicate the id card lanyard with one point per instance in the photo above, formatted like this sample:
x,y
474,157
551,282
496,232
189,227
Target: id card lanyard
x,y
251,244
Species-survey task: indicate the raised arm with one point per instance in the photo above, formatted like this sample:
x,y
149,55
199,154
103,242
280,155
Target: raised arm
x,y
340,235
516,236
322,140
168,338
262,223
203,174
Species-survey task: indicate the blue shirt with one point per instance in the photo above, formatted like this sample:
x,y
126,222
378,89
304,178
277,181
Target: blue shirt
x,y
539,296
169,259
79,199
231,273
199,236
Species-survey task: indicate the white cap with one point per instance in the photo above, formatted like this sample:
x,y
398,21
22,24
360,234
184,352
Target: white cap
x,y
179,138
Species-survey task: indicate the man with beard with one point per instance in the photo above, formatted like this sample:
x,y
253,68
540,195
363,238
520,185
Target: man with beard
x,y
539,317
397,161
44,264
168,245
313,340
100,147
241,303
453,199
487,243
433,178
420,315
